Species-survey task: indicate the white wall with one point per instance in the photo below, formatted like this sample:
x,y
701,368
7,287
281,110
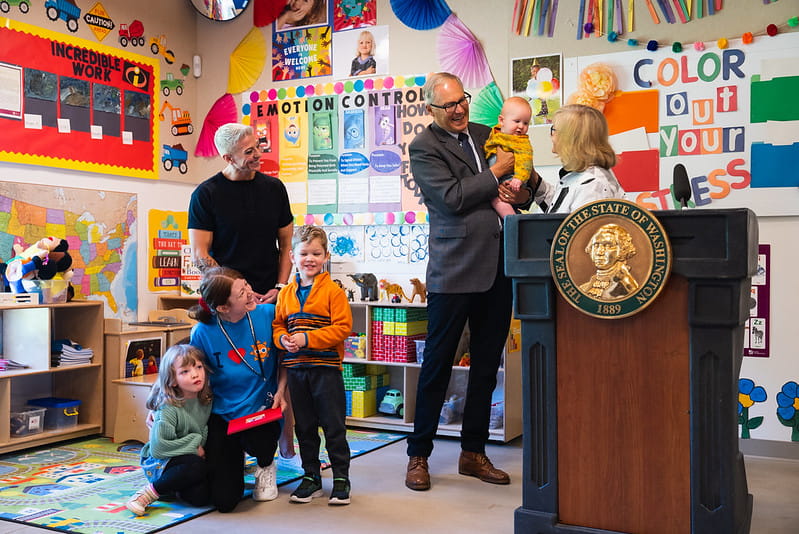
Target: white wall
x,y
413,52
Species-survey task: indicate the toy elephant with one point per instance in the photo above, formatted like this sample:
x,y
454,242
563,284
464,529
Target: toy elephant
x,y
368,284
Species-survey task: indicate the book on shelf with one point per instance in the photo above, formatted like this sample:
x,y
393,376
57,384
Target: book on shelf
x,y
66,352
10,365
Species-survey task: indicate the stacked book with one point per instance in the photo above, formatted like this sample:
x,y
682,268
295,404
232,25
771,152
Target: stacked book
x,y
10,365
66,352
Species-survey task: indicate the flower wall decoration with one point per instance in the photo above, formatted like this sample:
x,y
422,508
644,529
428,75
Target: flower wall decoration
x,y
788,408
748,395
596,86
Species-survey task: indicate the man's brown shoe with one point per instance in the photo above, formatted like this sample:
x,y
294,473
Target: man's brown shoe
x,y
417,478
478,465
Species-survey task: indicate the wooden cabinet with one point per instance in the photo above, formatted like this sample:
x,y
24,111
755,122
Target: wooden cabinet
x,y
120,339
131,408
405,376
27,332
168,302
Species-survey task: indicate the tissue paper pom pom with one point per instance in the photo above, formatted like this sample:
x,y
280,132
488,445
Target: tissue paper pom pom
x,y
747,38
699,46
598,81
771,29
612,36
652,46
722,43
676,47
793,22
589,27
632,42
583,98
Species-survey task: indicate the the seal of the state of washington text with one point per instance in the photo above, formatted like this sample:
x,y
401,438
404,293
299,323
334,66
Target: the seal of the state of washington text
x,y
610,258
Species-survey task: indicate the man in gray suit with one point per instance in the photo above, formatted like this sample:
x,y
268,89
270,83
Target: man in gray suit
x,y
465,277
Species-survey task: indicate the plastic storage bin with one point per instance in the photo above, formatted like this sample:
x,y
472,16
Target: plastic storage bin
x,y
52,291
28,420
61,413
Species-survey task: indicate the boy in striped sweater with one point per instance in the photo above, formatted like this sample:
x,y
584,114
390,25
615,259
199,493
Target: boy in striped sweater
x,y
312,320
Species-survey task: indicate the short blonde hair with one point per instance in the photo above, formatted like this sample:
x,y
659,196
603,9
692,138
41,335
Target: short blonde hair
x,y
582,138
371,38
306,234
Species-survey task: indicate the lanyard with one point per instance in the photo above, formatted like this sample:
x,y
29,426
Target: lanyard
x,y
262,374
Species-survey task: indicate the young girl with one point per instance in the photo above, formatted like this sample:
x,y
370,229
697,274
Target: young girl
x,y
236,334
364,62
173,459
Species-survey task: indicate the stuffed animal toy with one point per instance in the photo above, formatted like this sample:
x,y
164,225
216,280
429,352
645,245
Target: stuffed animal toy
x,y
44,260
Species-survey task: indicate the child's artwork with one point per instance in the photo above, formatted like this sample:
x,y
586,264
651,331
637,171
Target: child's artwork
x,y
348,14
346,243
142,357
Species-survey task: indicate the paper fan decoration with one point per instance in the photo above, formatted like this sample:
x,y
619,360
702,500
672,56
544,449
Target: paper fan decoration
x,y
421,14
246,62
222,112
459,52
486,105
265,12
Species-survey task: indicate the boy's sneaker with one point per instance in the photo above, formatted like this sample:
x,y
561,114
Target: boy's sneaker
x,y
341,492
265,483
310,487
142,499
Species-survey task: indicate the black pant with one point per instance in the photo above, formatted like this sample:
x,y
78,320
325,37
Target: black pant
x,y
489,315
185,475
225,458
318,399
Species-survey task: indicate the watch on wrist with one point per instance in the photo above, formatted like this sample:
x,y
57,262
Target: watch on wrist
x,y
279,286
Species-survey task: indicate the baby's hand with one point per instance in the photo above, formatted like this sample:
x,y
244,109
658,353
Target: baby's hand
x,y
515,184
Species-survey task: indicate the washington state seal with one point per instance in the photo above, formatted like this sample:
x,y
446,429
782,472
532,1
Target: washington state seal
x,y
610,258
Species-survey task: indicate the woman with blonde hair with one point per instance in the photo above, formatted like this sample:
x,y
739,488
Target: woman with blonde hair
x,y
580,138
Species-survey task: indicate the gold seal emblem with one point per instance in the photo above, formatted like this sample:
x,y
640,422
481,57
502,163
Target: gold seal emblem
x,y
610,258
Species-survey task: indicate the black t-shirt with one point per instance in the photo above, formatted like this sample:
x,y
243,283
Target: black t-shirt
x,y
244,218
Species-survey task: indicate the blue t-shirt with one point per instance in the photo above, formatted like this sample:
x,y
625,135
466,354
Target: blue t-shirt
x,y
240,390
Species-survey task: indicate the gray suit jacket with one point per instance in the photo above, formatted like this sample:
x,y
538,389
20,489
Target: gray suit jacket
x,y
465,233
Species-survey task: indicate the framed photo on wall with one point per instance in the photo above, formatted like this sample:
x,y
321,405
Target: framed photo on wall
x,y
538,79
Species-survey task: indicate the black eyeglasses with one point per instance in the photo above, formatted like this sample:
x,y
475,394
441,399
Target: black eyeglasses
x,y
449,107
552,130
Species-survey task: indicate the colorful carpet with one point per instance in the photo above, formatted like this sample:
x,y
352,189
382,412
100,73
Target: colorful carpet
x,y
82,486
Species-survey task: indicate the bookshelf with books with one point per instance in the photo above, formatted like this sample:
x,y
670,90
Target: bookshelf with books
x,y
28,332
391,331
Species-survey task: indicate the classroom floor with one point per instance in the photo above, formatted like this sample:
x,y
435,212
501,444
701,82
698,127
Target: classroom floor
x,y
455,504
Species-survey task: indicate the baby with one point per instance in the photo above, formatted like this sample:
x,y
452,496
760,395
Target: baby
x,y
511,136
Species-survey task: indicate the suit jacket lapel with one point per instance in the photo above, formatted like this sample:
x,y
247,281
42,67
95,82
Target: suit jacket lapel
x,y
451,143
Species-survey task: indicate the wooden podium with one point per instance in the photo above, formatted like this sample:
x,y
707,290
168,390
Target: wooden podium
x,y
630,425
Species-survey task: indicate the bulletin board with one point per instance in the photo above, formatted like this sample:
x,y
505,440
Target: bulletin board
x,y
71,103
341,148
730,116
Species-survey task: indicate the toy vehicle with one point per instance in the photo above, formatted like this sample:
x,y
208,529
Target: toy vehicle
x,y
181,120
23,5
133,33
392,403
158,46
175,156
171,84
63,9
